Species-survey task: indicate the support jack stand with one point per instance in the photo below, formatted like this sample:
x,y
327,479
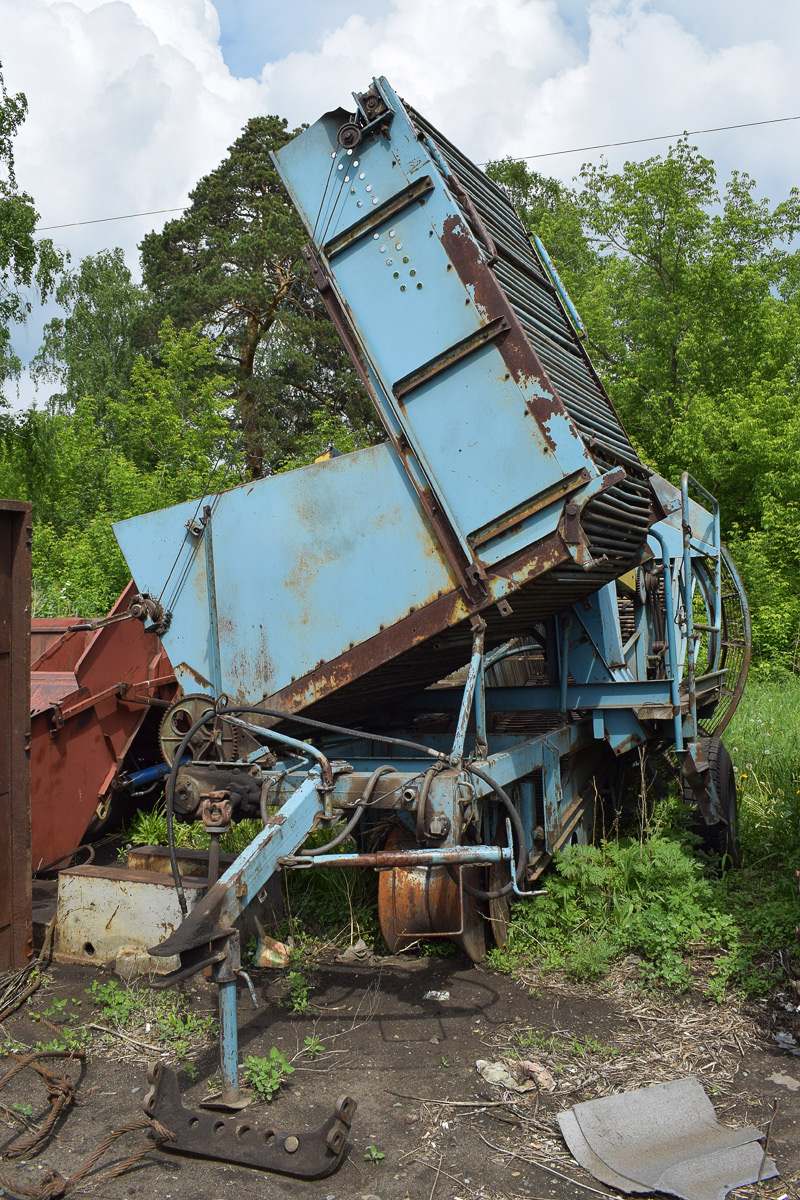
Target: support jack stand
x,y
311,1154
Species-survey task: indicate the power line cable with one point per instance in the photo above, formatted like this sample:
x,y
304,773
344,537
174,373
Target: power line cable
x,y
155,212
661,137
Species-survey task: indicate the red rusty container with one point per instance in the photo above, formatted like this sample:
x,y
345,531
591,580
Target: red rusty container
x,y
91,691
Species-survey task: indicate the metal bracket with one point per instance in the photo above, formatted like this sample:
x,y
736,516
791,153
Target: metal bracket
x,y
695,771
570,525
312,1154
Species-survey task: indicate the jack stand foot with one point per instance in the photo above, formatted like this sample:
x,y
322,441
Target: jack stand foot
x,y
307,1154
233,1102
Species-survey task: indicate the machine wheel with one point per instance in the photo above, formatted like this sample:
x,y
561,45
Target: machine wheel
x,y
721,839
211,743
416,902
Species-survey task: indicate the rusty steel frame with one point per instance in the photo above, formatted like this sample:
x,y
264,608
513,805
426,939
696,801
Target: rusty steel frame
x,y
16,943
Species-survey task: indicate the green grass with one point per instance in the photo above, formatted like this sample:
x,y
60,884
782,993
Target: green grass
x,y
540,1039
148,827
321,903
659,898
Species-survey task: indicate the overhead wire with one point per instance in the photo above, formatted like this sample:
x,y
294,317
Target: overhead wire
x,y
154,212
660,137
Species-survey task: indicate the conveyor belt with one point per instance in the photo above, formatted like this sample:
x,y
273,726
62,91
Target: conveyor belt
x,y
617,524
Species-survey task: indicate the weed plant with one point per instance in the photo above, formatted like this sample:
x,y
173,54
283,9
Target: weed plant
x,y
266,1074
148,827
655,895
165,1016
324,903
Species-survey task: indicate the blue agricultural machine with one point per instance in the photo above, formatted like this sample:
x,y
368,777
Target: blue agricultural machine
x,y
446,647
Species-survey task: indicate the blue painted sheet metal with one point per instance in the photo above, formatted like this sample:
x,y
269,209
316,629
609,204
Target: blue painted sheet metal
x,y
306,564
347,570
471,424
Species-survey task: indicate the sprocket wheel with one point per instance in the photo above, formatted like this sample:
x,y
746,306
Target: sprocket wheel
x,y
215,742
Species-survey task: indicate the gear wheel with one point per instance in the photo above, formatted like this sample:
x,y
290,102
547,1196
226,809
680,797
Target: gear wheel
x,y
217,742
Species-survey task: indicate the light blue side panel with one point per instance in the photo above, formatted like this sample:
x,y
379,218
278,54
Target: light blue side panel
x,y
469,426
306,564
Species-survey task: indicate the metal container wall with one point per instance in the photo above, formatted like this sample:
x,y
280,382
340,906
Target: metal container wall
x,y
15,846
616,523
90,692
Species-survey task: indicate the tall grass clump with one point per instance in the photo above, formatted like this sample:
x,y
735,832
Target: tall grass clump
x,y
656,895
325,903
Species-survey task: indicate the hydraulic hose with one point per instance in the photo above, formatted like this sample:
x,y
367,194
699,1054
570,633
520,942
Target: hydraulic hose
x,y
519,830
356,817
324,725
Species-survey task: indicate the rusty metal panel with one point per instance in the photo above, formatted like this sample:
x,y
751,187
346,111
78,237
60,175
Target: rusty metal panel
x,y
104,912
15,838
55,640
89,693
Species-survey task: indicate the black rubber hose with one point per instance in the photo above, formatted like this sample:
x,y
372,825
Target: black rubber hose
x,y
169,790
422,802
356,817
356,733
519,829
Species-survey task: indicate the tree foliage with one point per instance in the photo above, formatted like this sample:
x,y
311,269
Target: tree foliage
x,y
91,350
232,263
168,438
25,262
690,298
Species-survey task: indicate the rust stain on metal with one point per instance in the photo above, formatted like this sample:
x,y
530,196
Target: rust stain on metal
x,y
201,681
521,360
373,653
442,613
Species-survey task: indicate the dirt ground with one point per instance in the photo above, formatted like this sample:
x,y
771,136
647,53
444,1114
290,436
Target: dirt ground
x,y
437,1129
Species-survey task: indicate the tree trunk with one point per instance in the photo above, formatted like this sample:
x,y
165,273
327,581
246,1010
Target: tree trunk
x,y
248,403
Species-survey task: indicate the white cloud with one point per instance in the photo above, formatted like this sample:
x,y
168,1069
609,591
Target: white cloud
x,y
131,101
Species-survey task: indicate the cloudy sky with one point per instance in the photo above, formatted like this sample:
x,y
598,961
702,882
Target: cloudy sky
x,y
131,101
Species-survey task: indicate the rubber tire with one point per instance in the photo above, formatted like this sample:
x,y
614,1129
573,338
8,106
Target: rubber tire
x,y
721,839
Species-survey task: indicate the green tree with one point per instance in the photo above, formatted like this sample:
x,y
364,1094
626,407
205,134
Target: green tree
x,y
551,210
691,298
168,438
26,264
684,302
91,351
232,263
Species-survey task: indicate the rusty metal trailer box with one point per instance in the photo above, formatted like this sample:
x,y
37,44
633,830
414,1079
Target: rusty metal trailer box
x,y
15,650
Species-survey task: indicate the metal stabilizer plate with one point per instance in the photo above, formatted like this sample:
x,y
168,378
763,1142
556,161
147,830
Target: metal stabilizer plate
x,y
307,1155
